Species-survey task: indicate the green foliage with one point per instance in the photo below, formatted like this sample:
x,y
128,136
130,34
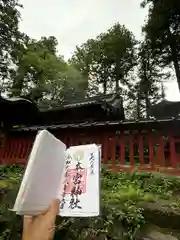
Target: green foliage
x,y
43,76
118,53
10,225
163,29
150,79
109,58
120,218
33,68
9,37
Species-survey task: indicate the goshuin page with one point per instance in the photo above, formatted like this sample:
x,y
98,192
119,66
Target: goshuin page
x,y
80,189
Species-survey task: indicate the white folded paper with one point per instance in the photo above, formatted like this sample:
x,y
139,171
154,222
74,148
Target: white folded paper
x,y
72,175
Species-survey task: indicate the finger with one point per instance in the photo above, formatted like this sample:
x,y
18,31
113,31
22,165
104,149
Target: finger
x,y
45,211
54,209
27,221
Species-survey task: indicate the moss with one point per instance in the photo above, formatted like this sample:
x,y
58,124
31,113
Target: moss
x,y
7,183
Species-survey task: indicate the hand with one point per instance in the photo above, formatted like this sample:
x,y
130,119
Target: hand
x,y
41,227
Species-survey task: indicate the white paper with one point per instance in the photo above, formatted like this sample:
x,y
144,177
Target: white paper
x,y
43,175
45,178
81,192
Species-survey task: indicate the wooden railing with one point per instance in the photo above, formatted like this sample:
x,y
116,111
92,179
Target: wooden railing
x,y
15,151
121,151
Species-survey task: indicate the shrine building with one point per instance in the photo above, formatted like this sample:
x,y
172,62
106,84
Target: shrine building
x,y
127,145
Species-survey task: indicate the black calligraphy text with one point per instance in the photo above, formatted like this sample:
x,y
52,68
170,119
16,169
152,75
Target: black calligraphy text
x,y
76,190
68,163
91,161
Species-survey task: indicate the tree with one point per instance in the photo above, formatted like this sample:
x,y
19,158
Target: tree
x,y
50,43
82,58
163,29
150,78
36,63
42,75
83,61
118,53
68,86
109,58
9,36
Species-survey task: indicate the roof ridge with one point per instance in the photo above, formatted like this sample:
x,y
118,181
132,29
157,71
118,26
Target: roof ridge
x,y
99,99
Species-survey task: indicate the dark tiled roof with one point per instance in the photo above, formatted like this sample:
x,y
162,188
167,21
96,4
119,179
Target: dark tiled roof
x,y
100,99
14,99
164,109
125,124
17,111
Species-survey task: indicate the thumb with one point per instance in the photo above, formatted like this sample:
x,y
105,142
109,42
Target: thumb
x,y
27,222
54,209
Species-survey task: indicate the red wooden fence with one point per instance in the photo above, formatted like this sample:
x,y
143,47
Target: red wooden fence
x,y
121,151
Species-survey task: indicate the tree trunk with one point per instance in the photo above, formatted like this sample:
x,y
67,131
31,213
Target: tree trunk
x,y
2,86
117,76
147,104
117,85
17,87
175,62
105,87
138,106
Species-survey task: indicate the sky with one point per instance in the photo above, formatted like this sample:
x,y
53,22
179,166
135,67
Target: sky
x,y
73,22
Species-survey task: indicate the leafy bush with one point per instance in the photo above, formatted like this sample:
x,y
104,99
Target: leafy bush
x,y
120,218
